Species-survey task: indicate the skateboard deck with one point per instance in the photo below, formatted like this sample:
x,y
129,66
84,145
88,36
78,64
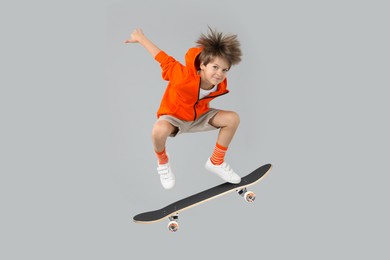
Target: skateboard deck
x,y
171,211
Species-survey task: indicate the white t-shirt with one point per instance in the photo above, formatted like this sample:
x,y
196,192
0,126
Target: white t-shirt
x,y
203,93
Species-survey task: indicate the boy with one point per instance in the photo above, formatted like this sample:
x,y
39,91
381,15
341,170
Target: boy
x,y
185,105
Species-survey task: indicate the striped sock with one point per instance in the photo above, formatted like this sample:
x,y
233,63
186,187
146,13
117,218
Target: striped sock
x,y
217,158
162,157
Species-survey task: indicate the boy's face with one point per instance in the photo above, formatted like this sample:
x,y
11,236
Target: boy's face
x,y
214,72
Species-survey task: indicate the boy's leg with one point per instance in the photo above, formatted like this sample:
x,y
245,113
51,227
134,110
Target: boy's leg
x,y
228,122
161,130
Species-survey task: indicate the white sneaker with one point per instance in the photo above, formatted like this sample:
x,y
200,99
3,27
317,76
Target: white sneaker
x,y
224,171
166,176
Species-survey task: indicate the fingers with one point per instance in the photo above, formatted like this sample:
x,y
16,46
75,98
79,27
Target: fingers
x,y
138,31
135,35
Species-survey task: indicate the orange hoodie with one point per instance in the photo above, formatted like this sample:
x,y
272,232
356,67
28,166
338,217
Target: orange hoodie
x,y
181,97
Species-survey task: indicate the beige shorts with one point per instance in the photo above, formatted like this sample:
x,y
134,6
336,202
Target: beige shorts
x,y
199,125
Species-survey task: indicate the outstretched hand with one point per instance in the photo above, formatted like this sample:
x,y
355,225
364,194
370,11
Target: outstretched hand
x,y
135,36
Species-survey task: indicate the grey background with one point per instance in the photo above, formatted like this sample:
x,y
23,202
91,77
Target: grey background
x,y
77,107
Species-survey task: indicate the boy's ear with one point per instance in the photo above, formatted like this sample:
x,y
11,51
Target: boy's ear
x,y
197,63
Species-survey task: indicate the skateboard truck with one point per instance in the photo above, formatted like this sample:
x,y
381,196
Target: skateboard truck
x,y
249,196
173,224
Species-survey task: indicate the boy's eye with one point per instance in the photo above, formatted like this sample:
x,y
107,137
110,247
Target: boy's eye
x,y
215,67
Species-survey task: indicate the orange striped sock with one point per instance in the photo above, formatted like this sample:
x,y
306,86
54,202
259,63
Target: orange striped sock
x,y
217,158
162,157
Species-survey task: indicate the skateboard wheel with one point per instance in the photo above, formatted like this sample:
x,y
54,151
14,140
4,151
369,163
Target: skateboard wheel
x,y
250,196
173,226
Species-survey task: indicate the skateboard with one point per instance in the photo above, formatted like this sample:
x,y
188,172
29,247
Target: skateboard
x,y
171,211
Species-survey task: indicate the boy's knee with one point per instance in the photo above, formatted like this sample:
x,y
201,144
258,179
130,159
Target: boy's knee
x,y
234,119
157,129
161,129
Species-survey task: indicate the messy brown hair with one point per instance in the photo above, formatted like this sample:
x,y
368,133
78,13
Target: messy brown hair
x,y
216,44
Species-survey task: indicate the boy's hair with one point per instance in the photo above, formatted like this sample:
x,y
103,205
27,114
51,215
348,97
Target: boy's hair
x,y
215,44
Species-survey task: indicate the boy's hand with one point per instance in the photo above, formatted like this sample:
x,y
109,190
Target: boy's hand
x,y
138,36
135,37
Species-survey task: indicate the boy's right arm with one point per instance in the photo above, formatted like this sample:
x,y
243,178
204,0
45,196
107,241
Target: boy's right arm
x,y
139,37
171,68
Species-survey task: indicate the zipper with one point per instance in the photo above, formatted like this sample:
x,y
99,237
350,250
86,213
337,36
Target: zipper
x,y
196,103
195,110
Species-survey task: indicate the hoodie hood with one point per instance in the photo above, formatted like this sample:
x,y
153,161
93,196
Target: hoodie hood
x,y
191,58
